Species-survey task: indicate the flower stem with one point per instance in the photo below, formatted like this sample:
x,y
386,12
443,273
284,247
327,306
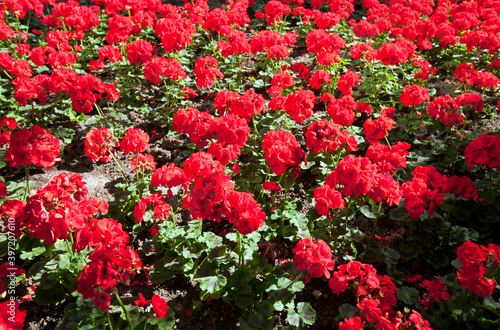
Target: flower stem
x,y
28,191
240,250
124,310
119,167
376,222
109,320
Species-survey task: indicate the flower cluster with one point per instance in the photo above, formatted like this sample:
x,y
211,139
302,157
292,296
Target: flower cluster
x,y
281,150
477,261
98,145
444,109
323,135
35,146
485,150
134,141
155,203
205,70
299,105
198,125
213,196
232,133
316,258
427,185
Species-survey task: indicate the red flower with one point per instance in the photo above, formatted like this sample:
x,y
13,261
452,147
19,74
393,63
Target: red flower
x,y
275,10
316,258
244,212
347,82
379,128
35,146
273,186
318,78
159,306
342,110
281,149
143,163
10,315
485,150
140,52
327,198
299,105
135,140
324,135
205,70
414,95
160,66
354,323
141,302
98,144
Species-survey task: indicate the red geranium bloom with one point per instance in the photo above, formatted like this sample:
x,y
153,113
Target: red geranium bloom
x,y
315,257
205,70
414,95
35,146
143,163
98,145
485,150
159,306
10,315
135,140
281,149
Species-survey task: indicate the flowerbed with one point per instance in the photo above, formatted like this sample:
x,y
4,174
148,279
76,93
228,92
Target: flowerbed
x,y
283,158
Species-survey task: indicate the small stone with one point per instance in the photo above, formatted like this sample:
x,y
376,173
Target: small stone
x,y
317,294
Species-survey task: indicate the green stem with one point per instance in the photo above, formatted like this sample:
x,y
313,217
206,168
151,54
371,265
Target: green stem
x,y
109,320
119,167
137,167
255,128
28,191
124,310
200,226
449,211
173,218
387,140
265,180
240,250
376,222
298,277
491,178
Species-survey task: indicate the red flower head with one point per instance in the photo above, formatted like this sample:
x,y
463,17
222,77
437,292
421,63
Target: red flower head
x,y
205,70
299,105
281,149
347,82
315,257
135,140
143,163
159,306
414,95
326,136
318,78
327,198
342,110
160,66
98,145
10,316
275,10
485,150
35,146
140,52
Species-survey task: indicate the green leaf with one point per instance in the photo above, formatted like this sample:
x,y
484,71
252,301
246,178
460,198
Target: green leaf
x,y
306,313
408,295
293,318
365,209
30,255
213,284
